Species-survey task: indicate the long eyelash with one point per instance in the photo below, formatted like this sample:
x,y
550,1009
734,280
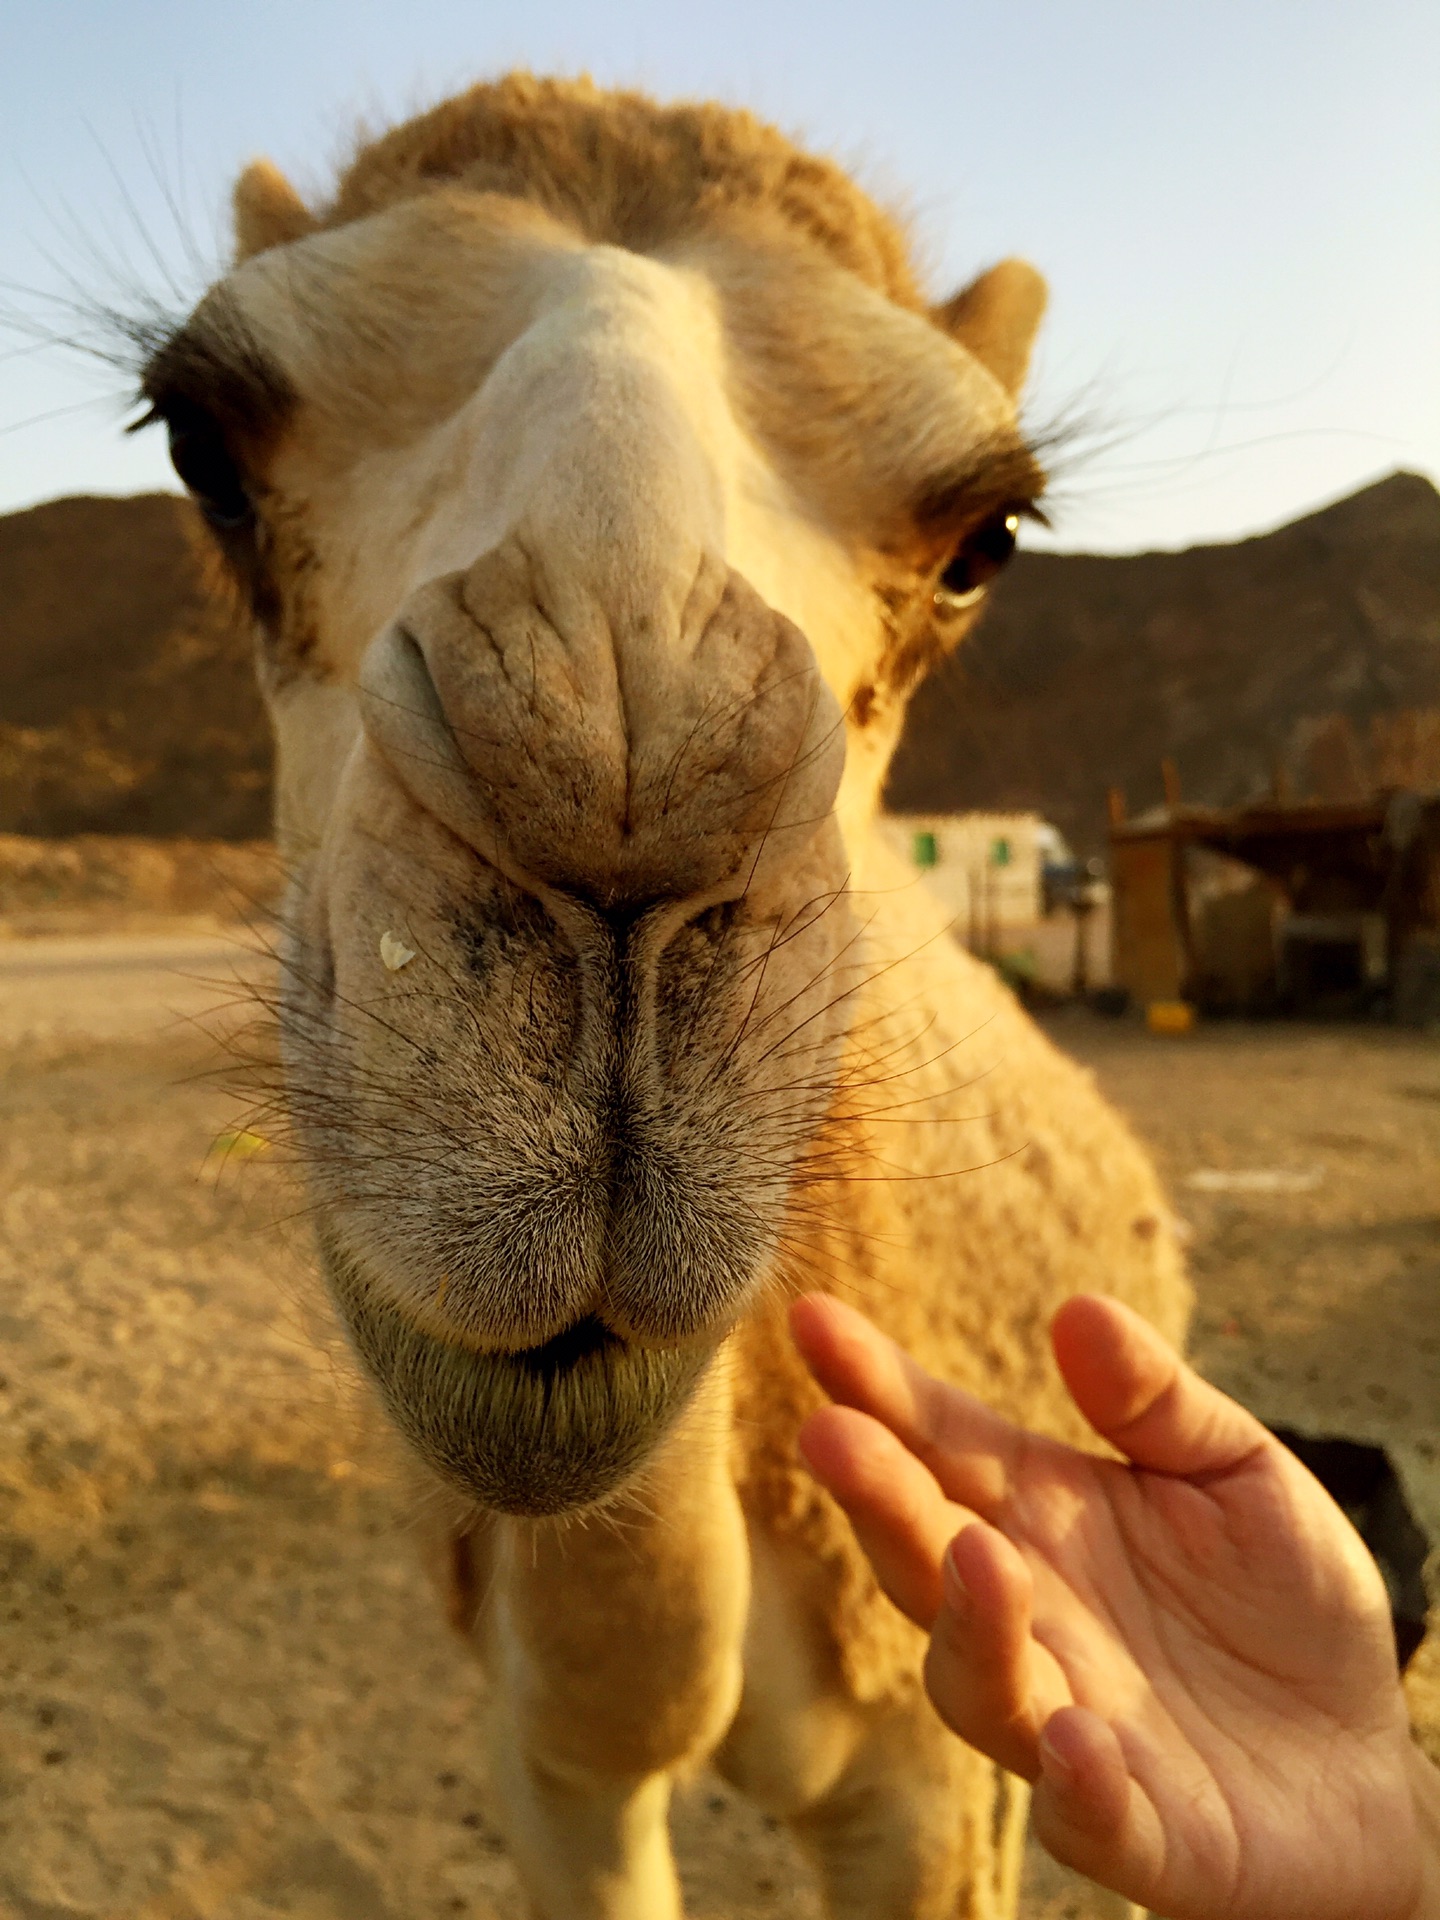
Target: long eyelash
x,y
214,360
996,477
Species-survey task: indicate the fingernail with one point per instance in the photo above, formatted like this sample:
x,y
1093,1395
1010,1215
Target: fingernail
x,y
1053,1761
957,1594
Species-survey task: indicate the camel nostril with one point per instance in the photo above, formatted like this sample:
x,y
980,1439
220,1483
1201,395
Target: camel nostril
x,y
403,716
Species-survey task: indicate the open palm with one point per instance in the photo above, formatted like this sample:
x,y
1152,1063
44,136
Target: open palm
x,y
1188,1650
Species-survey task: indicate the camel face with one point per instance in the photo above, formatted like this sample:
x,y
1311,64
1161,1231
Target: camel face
x,y
591,582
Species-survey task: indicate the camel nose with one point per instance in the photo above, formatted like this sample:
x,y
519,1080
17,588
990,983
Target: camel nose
x,y
611,760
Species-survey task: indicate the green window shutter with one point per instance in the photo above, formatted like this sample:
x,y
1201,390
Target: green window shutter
x,y
924,850
999,853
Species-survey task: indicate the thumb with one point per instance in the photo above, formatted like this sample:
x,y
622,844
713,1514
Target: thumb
x,y
1138,1393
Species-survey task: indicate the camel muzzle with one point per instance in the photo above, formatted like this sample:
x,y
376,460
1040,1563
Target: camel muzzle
x,y
619,767
621,899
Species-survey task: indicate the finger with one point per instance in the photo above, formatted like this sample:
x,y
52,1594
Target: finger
x,y
964,1444
1088,1812
1138,1394
1083,1768
901,1518
988,1680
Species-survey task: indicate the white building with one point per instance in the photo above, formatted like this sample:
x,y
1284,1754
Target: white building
x,y
988,871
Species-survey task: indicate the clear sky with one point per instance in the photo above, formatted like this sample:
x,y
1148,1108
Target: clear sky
x,y
1237,202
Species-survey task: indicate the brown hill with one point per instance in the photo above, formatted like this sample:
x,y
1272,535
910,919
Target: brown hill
x,y
127,694
1308,646
128,704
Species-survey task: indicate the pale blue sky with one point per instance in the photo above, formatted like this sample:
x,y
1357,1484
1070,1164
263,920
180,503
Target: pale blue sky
x,y
1237,202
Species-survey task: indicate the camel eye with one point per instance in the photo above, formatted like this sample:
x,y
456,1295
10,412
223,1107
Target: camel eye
x,y
200,457
983,553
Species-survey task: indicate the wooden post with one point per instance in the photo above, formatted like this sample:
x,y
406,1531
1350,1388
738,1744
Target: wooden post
x,y
1115,806
1180,914
1170,774
1082,907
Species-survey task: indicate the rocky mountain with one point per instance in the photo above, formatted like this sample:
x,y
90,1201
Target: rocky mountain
x,y
1313,651
127,694
128,705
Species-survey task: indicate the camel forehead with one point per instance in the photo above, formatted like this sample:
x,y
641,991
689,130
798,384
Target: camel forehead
x,y
388,324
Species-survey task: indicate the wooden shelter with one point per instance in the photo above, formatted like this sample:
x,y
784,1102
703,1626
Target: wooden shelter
x,y
1300,906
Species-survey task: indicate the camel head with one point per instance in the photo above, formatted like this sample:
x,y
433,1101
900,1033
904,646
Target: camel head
x,y
601,485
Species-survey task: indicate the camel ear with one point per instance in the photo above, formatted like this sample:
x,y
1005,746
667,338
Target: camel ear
x,y
268,211
996,318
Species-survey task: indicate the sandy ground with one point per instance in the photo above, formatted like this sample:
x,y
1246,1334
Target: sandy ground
x,y
224,1690
119,986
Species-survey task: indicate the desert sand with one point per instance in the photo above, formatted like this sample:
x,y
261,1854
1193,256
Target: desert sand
x,y
224,1688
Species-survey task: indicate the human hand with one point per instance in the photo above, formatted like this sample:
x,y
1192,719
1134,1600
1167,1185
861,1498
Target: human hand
x,y
1190,1655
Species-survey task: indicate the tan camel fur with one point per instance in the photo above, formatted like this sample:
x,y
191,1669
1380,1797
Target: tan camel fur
x,y
592,468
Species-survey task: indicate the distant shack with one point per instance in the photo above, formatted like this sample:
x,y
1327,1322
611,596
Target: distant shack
x,y
1304,907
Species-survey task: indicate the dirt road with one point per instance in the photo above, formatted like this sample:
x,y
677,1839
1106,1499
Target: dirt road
x,y
117,986
224,1690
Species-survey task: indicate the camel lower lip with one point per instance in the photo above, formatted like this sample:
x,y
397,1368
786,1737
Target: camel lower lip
x,y
547,1430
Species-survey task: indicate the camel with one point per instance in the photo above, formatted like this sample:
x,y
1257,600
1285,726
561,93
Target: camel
x,y
602,482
